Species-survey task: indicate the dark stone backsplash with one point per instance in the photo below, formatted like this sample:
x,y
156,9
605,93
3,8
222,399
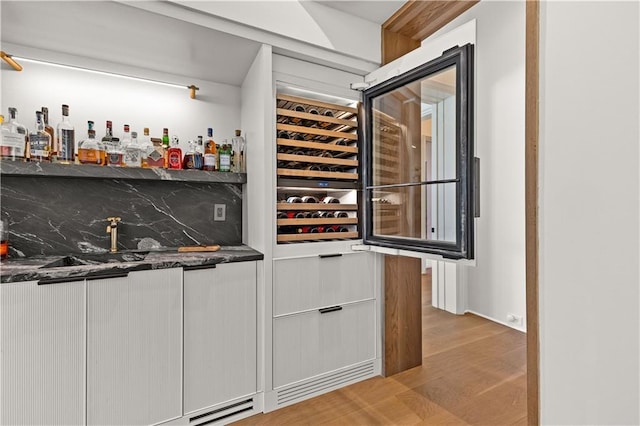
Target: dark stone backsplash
x,y
57,215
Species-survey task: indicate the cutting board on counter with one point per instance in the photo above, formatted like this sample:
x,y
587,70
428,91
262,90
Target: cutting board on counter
x,y
185,249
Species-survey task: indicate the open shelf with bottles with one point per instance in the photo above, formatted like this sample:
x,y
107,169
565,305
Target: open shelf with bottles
x,y
32,168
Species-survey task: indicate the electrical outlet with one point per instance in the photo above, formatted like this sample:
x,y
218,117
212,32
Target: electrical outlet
x,y
514,319
219,212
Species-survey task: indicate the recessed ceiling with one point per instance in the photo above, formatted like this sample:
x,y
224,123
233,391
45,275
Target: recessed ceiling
x,y
121,34
371,10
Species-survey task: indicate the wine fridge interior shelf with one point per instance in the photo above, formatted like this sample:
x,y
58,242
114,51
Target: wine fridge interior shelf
x,y
316,142
316,139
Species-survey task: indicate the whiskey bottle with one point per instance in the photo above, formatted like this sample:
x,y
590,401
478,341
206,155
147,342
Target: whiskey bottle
x,y
14,138
155,159
89,150
174,155
39,141
130,148
51,131
210,153
66,139
146,147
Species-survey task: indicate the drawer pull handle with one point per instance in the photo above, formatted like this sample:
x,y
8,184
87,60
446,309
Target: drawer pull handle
x,y
198,267
331,309
46,281
322,256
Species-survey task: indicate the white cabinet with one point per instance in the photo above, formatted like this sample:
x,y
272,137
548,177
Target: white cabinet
x,y
134,348
324,315
319,281
42,340
322,340
220,350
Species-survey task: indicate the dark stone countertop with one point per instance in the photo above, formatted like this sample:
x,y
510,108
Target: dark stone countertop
x,y
50,268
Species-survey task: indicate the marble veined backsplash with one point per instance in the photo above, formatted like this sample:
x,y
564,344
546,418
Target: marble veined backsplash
x,y
60,215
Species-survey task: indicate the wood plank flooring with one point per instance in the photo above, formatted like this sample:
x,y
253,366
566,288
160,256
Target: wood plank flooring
x,y
473,372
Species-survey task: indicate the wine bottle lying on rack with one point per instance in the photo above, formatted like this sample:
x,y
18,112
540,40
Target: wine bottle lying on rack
x,y
310,199
329,199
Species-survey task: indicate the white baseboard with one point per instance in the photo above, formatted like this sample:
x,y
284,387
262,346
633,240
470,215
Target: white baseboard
x,y
521,328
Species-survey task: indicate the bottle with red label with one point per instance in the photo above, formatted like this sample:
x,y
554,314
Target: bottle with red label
x,y
174,155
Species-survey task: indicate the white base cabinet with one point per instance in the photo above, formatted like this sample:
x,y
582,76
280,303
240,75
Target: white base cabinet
x,y
134,348
42,340
322,340
324,315
220,350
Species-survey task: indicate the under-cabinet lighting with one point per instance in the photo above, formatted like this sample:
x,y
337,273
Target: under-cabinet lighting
x,y
192,88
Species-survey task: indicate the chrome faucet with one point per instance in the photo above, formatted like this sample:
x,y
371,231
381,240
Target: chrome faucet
x,y
112,229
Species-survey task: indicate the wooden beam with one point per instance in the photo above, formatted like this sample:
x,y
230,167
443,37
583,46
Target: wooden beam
x,y
418,19
403,314
532,78
394,45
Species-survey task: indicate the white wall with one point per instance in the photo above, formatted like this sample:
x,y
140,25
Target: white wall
x,y
496,284
589,213
140,104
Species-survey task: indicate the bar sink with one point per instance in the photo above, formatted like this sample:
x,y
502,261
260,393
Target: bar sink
x,y
96,259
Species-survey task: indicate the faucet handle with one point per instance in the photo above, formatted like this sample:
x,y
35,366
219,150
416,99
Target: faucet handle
x,y
114,219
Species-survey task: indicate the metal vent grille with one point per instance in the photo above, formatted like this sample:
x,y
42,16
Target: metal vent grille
x,y
222,413
298,391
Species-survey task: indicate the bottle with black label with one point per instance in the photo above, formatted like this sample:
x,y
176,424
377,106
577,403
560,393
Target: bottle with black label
x,y
39,141
66,139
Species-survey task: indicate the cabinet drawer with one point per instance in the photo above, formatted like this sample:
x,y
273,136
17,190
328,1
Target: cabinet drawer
x,y
312,343
315,282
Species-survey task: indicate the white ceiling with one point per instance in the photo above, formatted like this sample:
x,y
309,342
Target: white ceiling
x,y
121,34
376,11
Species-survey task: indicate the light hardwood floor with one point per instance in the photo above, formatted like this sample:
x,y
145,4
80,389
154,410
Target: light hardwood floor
x,y
473,372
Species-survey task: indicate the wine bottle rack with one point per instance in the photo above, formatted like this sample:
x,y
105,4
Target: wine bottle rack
x,y
316,142
316,145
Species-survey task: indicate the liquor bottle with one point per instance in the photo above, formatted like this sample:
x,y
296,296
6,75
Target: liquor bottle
x,y
238,161
108,140
166,146
174,155
189,160
115,156
225,157
341,214
89,150
199,153
155,159
14,138
66,139
327,215
131,149
210,153
51,131
39,141
310,199
146,147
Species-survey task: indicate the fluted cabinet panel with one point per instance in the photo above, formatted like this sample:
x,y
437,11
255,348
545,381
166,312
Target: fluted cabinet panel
x,y
42,340
313,343
134,348
314,282
220,352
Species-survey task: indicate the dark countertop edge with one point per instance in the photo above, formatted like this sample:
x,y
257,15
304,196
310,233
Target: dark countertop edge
x,y
33,169
71,273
